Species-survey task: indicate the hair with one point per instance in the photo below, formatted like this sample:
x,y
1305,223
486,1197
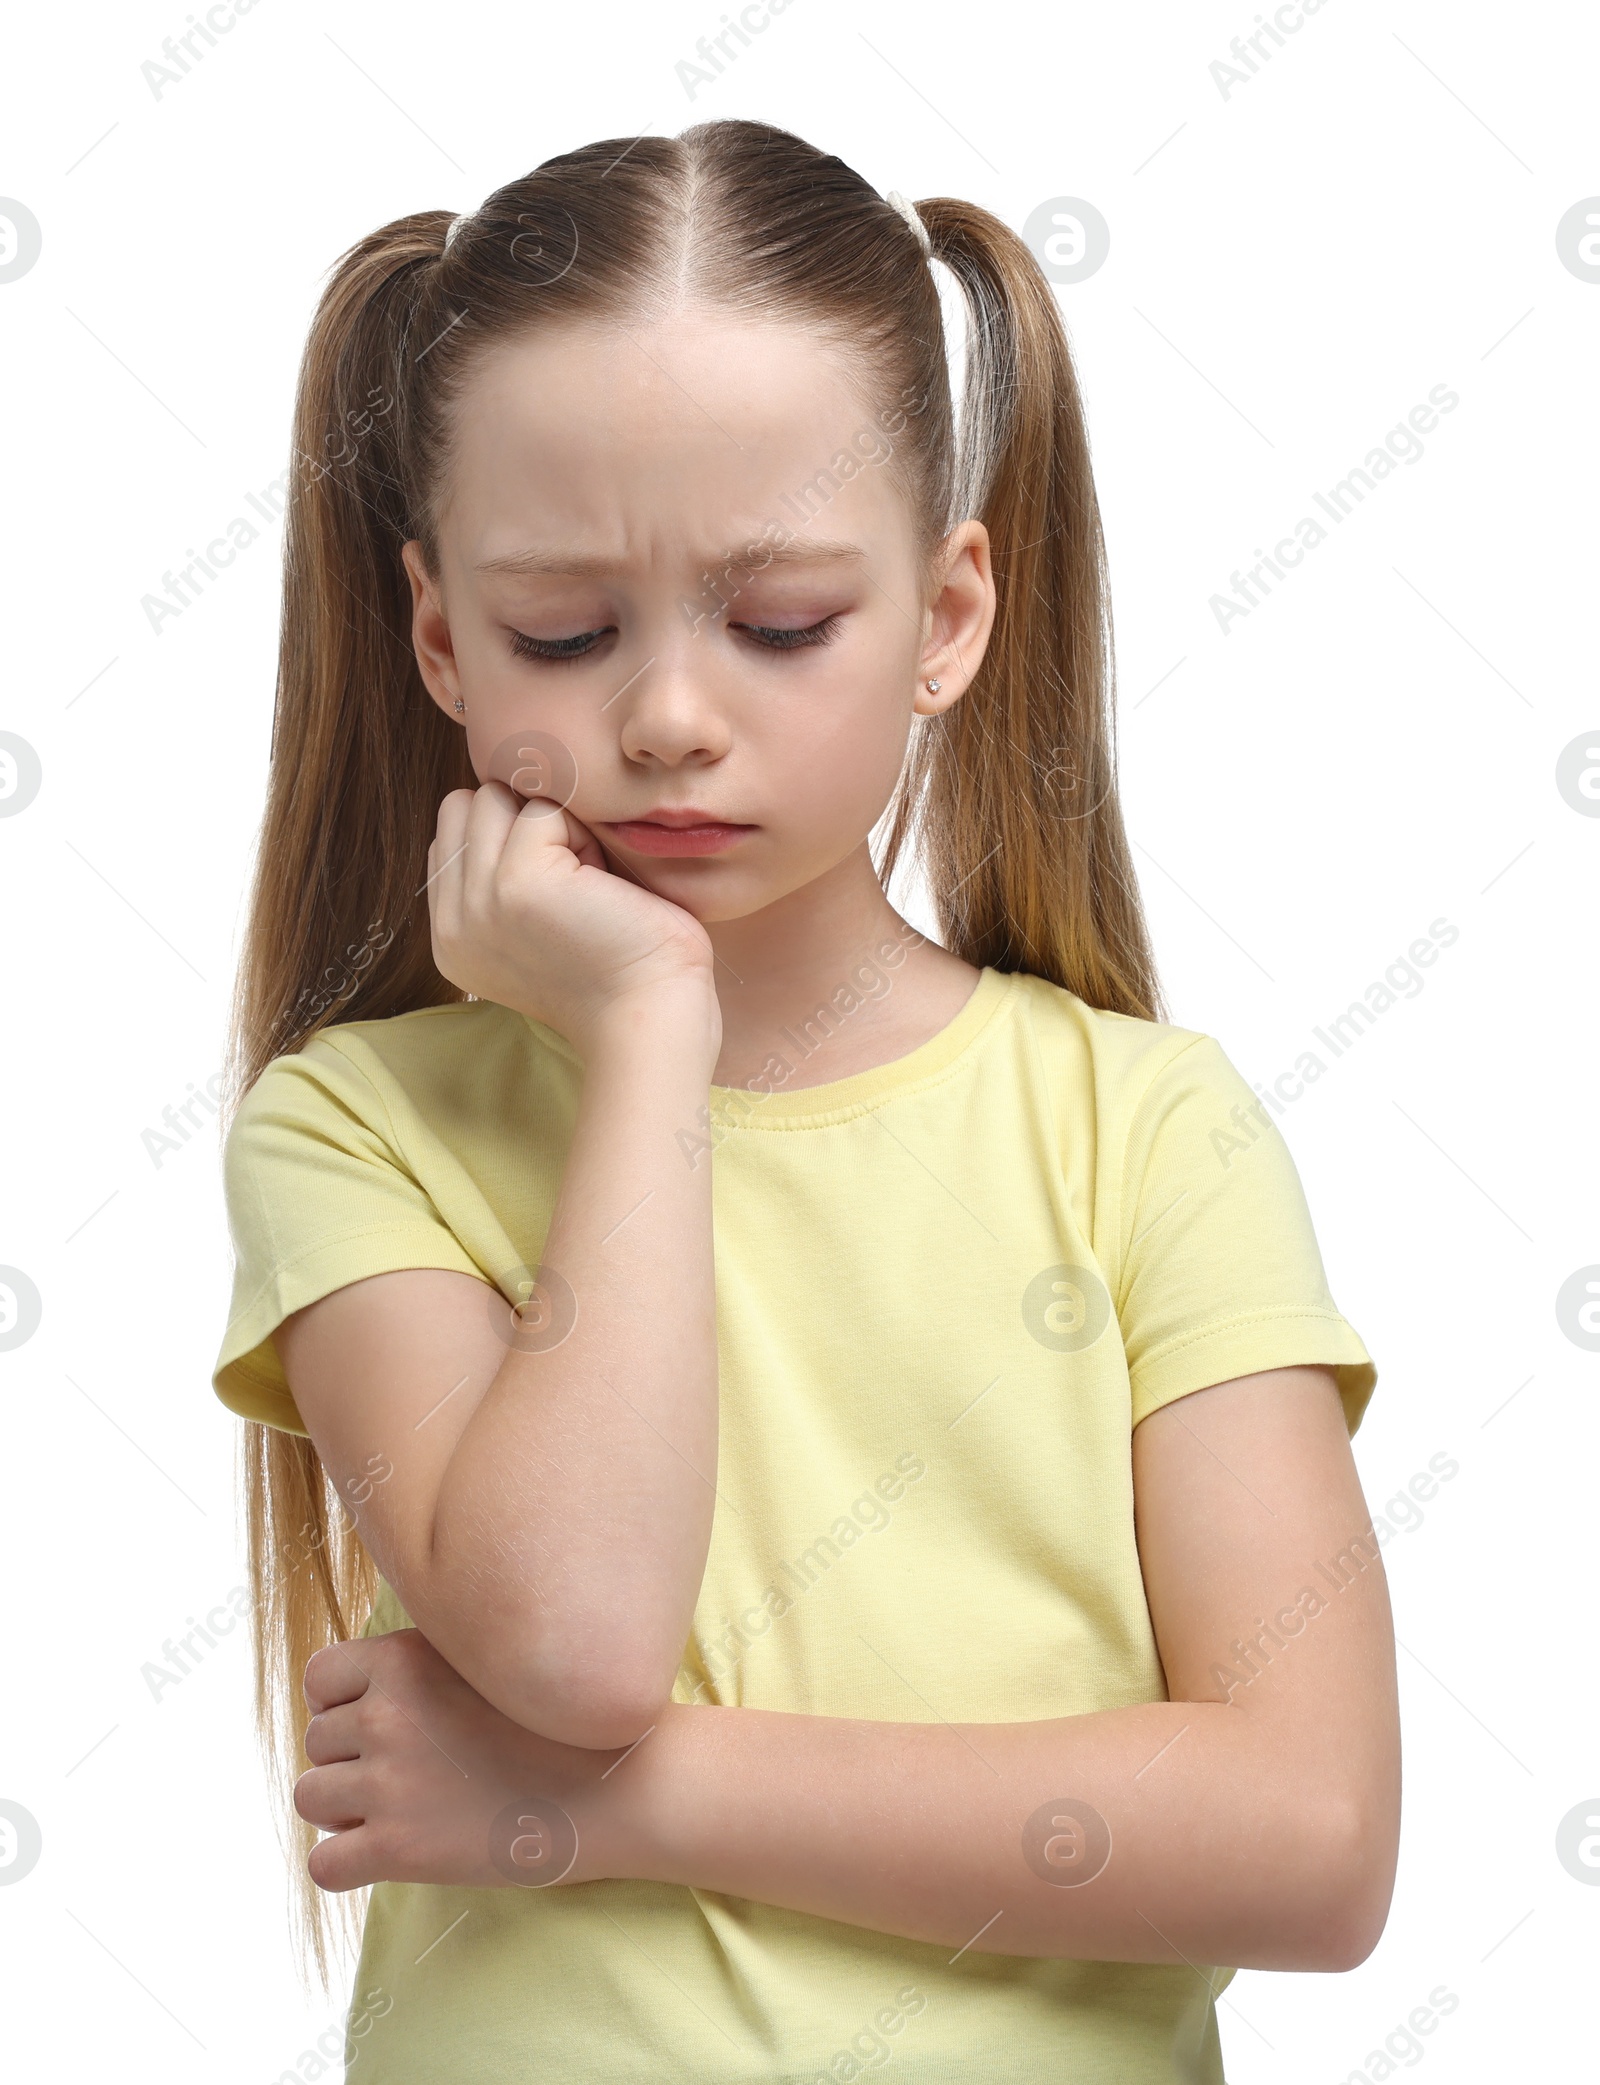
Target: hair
x,y
1007,799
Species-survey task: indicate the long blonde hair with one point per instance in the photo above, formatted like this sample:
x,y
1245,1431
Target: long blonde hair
x,y
1008,800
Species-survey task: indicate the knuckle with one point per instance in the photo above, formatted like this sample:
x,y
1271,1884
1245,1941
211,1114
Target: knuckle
x,y
409,1648
391,1654
380,1725
387,1791
398,1848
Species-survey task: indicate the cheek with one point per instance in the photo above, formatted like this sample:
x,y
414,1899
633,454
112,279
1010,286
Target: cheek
x,y
848,736
521,745
516,727
834,778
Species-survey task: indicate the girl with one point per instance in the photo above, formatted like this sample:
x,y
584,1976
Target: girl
x,y
805,1470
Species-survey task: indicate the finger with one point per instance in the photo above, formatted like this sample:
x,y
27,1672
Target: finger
x,y
331,1797
445,854
584,844
335,1673
347,1861
490,817
332,1735
616,866
544,826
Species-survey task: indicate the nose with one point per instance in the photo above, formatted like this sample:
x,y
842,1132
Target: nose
x,y
669,714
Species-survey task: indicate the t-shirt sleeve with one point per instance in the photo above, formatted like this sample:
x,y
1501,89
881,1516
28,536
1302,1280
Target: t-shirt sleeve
x,y
1221,1274
318,1195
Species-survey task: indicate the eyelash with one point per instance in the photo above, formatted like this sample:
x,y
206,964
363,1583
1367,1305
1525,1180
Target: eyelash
x,y
556,650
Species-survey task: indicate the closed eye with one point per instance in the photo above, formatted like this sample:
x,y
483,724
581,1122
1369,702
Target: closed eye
x,y
768,637
790,640
526,647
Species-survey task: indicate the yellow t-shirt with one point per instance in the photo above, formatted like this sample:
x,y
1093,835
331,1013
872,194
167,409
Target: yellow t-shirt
x,y
948,1288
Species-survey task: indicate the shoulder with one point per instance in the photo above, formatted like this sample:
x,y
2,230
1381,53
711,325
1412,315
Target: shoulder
x,y
415,1063
1123,1061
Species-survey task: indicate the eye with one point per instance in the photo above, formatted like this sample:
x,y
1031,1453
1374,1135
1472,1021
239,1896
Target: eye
x,y
556,648
791,640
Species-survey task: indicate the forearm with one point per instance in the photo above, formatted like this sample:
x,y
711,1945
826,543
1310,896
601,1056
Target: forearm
x,y
574,1515
1232,1840
1256,1830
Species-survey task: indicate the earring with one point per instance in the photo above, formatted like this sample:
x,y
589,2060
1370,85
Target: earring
x,y
933,687
461,707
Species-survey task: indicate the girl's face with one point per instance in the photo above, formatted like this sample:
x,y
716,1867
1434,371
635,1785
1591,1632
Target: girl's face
x,y
678,587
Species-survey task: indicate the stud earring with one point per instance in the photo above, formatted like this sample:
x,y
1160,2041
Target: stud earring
x,y
461,707
933,687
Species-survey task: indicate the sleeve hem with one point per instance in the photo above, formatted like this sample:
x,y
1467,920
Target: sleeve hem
x,y
248,1376
1248,1344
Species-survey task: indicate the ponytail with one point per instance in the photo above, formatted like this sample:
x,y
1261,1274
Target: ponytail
x,y
361,756
1009,796
339,925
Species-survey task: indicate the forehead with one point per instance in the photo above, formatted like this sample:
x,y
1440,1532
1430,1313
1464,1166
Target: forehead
x,y
693,427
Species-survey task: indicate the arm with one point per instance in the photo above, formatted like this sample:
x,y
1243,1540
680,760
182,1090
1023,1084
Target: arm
x,y
1253,1821
545,1508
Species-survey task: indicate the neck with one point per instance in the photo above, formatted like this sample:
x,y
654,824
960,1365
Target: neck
x,y
829,980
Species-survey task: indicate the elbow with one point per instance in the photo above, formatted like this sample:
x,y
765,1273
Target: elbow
x,y
595,1689
1348,1879
595,1705
602,1720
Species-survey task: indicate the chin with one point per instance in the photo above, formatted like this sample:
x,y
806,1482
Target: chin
x,y
710,906
710,898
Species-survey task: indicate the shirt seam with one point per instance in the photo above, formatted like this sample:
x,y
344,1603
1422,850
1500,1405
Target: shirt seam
x,y
283,1267
1274,1315
252,1375
395,1141
1137,1110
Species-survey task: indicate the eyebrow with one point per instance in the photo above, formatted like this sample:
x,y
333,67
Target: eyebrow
x,y
571,564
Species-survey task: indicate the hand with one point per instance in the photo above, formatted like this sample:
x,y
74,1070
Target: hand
x,y
525,912
412,1769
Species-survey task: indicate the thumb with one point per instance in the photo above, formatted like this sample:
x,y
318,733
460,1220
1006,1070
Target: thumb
x,y
563,830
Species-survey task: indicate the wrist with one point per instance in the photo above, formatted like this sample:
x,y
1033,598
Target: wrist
x,y
654,1808
680,1021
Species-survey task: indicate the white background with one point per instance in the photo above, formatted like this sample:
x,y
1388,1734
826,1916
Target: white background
x,y
1292,267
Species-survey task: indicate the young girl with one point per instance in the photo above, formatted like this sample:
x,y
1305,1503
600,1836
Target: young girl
x,y
804,1472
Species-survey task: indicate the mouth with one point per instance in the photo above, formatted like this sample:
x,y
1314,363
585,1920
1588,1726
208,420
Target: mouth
x,y
675,833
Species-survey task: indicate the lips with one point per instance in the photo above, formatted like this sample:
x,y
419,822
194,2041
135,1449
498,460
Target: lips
x,y
683,832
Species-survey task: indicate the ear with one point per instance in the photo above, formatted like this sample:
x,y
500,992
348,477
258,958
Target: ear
x,y
959,620
430,634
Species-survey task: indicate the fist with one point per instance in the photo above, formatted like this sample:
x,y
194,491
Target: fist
x,y
416,1778
525,912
